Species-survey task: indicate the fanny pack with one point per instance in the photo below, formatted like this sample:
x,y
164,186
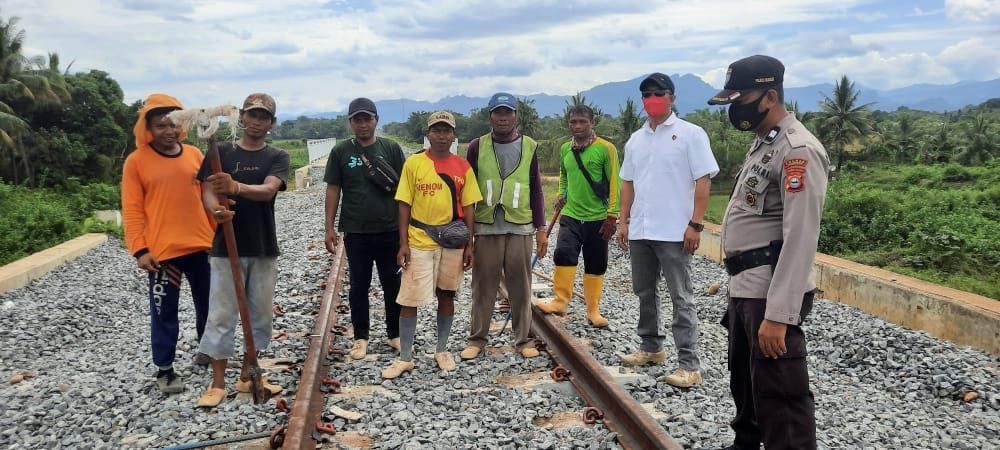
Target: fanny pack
x,y
379,172
454,234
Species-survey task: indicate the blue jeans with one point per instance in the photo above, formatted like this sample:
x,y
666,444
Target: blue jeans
x,y
649,259
164,293
260,274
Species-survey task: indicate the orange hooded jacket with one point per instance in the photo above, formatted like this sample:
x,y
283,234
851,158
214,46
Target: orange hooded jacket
x,y
161,196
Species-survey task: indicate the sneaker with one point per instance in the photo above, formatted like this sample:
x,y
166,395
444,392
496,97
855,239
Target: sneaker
x,y
683,378
470,352
202,359
529,352
212,397
445,361
397,368
394,343
244,386
360,349
642,357
169,382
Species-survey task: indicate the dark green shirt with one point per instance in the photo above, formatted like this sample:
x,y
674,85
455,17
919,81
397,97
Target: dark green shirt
x,y
363,207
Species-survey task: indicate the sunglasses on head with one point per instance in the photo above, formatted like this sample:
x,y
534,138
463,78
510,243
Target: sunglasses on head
x,y
658,93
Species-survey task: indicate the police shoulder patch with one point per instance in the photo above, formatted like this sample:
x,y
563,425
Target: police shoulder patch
x,y
795,174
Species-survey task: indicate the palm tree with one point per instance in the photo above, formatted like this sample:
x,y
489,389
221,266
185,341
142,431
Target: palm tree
x,y
980,145
841,120
24,84
527,116
630,119
580,99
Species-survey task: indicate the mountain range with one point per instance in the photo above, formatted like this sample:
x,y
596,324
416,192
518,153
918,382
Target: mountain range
x,y
692,94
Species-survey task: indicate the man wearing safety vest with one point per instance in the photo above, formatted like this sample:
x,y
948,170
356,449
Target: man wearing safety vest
x,y
512,209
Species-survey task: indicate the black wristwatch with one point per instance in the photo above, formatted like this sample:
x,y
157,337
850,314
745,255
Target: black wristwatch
x,y
697,226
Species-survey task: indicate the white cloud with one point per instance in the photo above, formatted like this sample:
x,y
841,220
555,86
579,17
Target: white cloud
x,y
973,10
316,55
972,59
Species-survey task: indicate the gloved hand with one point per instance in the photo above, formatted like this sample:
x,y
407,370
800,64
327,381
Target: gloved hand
x,y
223,183
609,227
560,201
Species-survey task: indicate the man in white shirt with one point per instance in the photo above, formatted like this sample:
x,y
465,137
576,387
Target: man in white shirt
x,y
666,156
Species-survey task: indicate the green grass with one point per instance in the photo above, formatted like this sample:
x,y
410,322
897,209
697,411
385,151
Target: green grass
x,y
298,156
716,208
550,187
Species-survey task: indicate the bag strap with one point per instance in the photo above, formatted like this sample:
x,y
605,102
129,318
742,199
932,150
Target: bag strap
x,y
363,152
579,163
454,195
454,208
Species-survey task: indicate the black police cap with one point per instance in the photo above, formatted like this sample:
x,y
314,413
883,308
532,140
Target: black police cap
x,y
752,72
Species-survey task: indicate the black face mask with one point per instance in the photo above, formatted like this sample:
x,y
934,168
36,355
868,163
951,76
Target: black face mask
x,y
745,117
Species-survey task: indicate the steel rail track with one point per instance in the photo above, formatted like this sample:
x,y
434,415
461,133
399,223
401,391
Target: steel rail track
x,y
305,415
609,402
621,413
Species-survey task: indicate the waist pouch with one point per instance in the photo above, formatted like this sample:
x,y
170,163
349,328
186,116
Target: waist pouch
x,y
380,173
454,234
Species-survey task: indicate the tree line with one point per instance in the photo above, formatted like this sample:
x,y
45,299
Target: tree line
x,y
64,136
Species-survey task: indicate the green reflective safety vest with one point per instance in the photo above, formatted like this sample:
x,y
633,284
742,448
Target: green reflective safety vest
x,y
513,192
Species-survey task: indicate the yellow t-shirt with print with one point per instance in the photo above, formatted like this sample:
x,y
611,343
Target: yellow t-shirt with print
x,y
429,197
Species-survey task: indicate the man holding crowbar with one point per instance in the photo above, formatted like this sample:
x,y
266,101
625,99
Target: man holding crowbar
x,y
240,183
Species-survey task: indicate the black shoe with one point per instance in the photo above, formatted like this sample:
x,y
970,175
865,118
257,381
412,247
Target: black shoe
x,y
169,382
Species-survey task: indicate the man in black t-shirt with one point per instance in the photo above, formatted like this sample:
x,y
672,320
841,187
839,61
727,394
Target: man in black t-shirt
x,y
252,174
368,219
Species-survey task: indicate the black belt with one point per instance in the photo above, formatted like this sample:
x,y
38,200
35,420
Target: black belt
x,y
753,258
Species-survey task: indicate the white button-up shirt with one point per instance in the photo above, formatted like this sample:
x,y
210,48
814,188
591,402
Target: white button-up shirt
x,y
663,165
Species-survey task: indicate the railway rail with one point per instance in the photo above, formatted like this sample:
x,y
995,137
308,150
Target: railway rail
x,y
608,402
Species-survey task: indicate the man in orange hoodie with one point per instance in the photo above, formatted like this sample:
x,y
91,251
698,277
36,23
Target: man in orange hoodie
x,y
166,228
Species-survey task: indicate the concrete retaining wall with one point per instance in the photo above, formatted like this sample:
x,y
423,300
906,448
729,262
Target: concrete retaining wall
x,y
957,316
25,270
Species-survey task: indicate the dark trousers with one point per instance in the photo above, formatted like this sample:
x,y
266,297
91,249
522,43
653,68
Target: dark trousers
x,y
363,250
774,405
575,235
164,293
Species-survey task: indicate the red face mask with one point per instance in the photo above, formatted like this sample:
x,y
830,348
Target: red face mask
x,y
655,106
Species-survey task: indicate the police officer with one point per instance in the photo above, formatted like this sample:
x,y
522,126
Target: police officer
x,y
769,237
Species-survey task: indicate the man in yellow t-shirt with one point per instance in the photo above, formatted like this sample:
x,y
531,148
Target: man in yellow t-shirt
x,y
435,188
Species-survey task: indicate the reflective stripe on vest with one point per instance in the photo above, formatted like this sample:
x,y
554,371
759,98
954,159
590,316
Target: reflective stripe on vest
x,y
509,189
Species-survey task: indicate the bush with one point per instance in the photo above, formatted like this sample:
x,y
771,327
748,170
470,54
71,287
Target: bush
x,y
33,221
901,219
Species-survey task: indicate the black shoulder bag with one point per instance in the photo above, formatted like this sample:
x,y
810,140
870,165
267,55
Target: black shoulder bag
x,y
453,234
378,171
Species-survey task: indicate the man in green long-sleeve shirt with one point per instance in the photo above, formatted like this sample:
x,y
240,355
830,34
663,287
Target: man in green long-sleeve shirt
x,y
588,197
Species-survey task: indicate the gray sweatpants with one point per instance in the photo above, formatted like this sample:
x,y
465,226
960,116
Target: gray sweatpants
x,y
260,274
649,259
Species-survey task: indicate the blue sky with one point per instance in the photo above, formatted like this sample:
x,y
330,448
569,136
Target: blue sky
x,y
314,55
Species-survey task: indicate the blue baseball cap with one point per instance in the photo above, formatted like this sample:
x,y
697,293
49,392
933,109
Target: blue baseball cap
x,y
503,99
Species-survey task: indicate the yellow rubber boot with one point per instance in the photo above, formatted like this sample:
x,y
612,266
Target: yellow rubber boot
x,y
593,285
562,285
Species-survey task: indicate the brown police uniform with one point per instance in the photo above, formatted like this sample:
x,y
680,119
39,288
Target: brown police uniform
x,y
769,237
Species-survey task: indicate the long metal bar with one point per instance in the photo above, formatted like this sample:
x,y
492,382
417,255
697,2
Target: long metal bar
x,y
635,427
250,364
308,406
